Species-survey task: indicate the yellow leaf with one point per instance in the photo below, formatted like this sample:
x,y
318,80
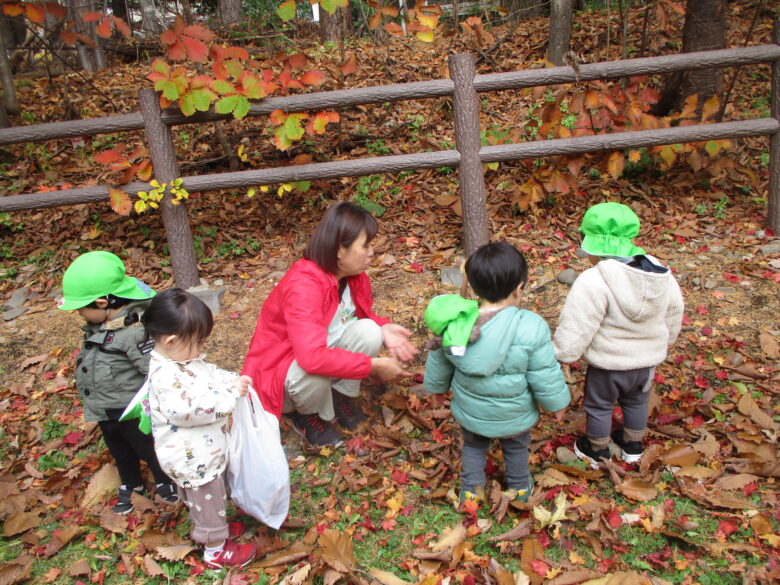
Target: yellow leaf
x,y
140,206
710,107
425,35
251,192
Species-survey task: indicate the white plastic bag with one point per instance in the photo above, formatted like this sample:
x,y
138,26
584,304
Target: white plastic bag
x,y
258,474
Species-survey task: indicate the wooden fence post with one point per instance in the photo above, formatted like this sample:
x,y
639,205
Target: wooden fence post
x,y
773,213
175,219
467,139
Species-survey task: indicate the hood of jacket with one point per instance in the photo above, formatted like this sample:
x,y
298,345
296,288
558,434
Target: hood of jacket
x,y
639,294
483,357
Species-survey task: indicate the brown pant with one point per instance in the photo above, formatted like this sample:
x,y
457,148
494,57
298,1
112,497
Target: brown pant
x,y
207,504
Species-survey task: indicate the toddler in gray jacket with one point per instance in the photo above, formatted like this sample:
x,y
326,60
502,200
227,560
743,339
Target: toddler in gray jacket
x,y
621,315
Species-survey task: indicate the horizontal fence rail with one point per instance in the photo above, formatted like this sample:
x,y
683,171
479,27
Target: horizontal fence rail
x,y
403,162
407,91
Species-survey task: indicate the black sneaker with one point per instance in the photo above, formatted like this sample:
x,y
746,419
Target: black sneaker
x,y
124,504
584,451
348,413
631,451
316,431
167,493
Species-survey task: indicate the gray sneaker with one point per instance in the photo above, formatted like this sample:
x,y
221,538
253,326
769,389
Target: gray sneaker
x,y
124,504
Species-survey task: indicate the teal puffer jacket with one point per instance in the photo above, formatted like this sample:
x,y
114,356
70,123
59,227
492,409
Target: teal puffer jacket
x,y
503,378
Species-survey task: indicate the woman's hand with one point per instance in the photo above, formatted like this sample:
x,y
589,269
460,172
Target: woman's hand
x,y
241,385
396,339
388,369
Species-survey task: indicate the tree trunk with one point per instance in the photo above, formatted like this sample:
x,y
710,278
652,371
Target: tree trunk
x,y
230,12
119,9
561,12
150,20
704,30
10,101
336,26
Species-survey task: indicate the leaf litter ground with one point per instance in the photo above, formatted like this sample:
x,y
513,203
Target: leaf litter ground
x,y
701,507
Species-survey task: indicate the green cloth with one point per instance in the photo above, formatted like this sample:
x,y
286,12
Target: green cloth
x,y
452,317
609,230
96,274
139,408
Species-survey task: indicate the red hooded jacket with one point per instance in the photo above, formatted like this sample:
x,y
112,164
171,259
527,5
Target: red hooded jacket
x,y
293,325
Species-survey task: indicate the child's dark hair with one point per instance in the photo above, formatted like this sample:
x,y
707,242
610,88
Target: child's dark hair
x,y
495,270
177,312
113,302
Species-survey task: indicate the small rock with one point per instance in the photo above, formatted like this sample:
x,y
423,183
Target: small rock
x,y
276,275
709,284
716,249
219,282
565,455
211,296
760,234
696,281
567,276
580,253
771,248
734,359
726,290
12,314
451,275
19,296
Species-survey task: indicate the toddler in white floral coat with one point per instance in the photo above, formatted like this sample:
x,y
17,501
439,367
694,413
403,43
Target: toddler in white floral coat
x,y
190,403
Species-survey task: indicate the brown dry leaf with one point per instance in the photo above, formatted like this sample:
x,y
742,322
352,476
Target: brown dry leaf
x,y
104,482
32,471
336,550
295,552
152,567
728,501
20,522
79,568
532,551
553,477
30,361
735,482
696,472
387,578
748,407
298,576
61,538
16,571
637,489
708,445
769,346
51,575
680,456
331,577
446,200
574,577
451,537
628,578
176,552
502,576
113,522
761,524
522,530
154,539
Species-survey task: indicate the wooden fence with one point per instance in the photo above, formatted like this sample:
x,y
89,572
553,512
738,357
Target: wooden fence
x,y
468,156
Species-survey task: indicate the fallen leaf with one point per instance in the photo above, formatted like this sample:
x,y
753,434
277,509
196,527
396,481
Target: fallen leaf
x,y
104,482
735,482
79,568
20,522
15,571
522,530
176,552
152,567
748,407
299,576
637,489
769,346
336,550
387,578
680,456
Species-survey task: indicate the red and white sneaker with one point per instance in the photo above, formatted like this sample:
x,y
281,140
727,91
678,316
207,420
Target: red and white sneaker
x,y
232,554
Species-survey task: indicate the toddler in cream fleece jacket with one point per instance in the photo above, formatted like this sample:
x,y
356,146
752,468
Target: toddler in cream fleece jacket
x,y
621,315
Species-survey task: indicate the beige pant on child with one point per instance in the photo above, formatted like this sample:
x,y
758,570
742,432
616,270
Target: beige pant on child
x,y
307,393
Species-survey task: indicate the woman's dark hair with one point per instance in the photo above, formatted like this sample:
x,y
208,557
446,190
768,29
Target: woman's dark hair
x,y
177,312
341,225
496,270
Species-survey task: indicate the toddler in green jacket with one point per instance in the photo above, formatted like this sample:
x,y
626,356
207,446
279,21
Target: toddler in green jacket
x,y
499,362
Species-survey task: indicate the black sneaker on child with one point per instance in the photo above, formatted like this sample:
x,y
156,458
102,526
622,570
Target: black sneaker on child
x,y
124,504
348,413
167,493
584,451
630,451
316,431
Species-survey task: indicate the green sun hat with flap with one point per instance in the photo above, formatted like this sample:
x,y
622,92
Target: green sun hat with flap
x,y
96,274
609,230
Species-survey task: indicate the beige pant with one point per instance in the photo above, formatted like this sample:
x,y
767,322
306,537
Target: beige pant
x,y
307,393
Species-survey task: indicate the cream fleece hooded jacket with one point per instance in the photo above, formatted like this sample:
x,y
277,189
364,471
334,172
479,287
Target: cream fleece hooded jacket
x,y
619,317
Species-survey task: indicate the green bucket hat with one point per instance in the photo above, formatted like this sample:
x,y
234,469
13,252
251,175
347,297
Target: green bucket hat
x,y
609,230
96,274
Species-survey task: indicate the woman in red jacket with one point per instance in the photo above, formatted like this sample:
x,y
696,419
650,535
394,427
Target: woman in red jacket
x,y
317,335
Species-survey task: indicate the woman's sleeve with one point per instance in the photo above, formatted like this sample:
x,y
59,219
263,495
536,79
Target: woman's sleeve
x,y
309,338
187,400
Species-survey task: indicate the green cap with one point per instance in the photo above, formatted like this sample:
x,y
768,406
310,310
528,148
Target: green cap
x,y
609,230
96,274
